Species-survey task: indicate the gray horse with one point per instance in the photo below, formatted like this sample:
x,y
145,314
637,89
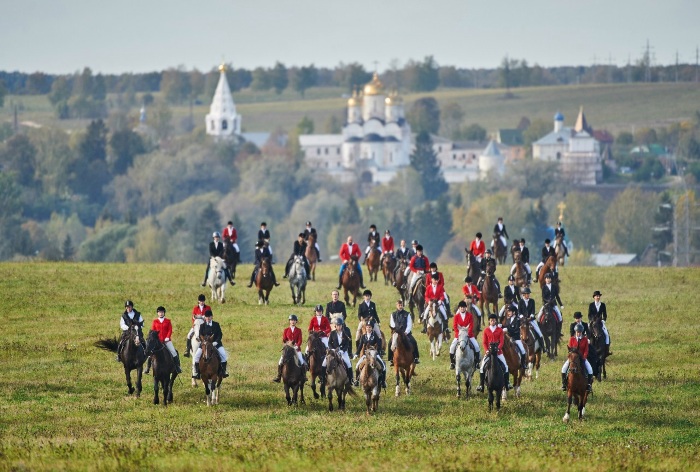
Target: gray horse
x,y
297,280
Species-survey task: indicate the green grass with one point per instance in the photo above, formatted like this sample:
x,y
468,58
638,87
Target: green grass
x,y
63,403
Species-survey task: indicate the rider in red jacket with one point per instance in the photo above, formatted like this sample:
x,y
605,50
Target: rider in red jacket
x,y
165,331
493,334
579,342
348,250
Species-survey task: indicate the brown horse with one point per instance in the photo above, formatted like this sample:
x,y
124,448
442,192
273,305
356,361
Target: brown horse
x,y
551,329
351,281
231,258
473,269
514,247
403,360
435,325
311,256
519,273
416,297
489,294
264,282
494,377
209,365
550,265
132,356
559,249
361,329
369,380
401,279
164,371
388,268
598,343
576,385
373,261
500,251
292,376
337,379
532,348
510,352
317,352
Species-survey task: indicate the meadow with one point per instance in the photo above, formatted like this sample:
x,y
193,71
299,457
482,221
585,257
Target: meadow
x,y
64,404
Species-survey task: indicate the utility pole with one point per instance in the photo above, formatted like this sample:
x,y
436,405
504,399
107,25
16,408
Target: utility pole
x,y
647,63
697,56
629,68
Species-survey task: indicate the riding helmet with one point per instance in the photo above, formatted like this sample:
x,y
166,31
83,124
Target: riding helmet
x,y
578,328
372,226
479,235
510,277
547,241
414,242
489,251
433,265
201,298
511,307
293,318
263,224
493,315
548,275
339,322
128,303
468,280
308,223
160,308
578,315
208,314
526,290
319,308
435,277
419,247
367,292
387,232
462,304
216,234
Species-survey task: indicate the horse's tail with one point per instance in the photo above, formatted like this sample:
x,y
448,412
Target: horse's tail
x,y
350,391
108,344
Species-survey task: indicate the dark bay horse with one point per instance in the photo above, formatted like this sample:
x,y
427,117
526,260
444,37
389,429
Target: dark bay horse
x,y
292,376
209,369
132,357
351,281
264,282
514,247
494,377
500,251
388,268
373,261
601,349
416,299
317,352
576,385
163,364
311,256
510,352
473,269
532,348
551,329
402,280
231,258
337,379
489,294
403,361
369,380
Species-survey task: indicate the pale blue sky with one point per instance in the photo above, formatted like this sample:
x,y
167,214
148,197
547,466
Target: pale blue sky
x,y
60,36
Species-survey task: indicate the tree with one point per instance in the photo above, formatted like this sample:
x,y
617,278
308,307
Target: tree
x,y
425,115
624,138
351,76
432,225
19,158
303,78
278,77
537,129
584,225
628,221
422,76
84,83
452,115
333,125
424,161
67,250
125,144
93,146
3,92
261,79
351,215
473,132
175,85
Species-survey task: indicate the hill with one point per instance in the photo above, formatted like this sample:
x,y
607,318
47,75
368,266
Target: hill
x,y
64,405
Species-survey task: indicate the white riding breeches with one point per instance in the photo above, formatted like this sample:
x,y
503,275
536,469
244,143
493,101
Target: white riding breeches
x,y
605,330
500,358
190,333
345,357
539,266
324,340
565,367
426,312
525,264
519,343
171,348
476,309
359,333
222,354
300,356
455,342
536,327
556,310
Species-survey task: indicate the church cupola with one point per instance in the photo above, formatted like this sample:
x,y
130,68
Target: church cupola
x,y
355,108
558,122
222,121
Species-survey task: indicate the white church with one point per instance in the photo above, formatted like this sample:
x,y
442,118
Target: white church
x,y
222,121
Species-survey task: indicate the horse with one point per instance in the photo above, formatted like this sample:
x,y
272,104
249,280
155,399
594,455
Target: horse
x,y
401,281
464,362
435,326
337,379
163,364
195,344
513,248
372,261
551,329
292,376
499,249
576,385
369,380
388,268
519,273
560,250
489,294
510,352
209,366
473,269
132,356
264,282
231,258
403,360
475,316
217,279
494,377
550,265
416,297
598,344
532,348
317,352
361,330
310,254
297,280
351,281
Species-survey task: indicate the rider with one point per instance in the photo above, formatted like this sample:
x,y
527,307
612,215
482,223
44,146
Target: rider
x,y
367,309
262,251
511,295
339,341
264,236
216,249
485,262
336,307
434,292
419,265
524,259
402,253
477,247
292,335
165,332
526,309
463,319
372,236
400,321
559,231
369,340
347,250
597,310
387,246
499,230
321,325
578,320
130,317
472,291
312,231
580,342
412,251
547,252
550,294
211,328
230,236
197,313
298,250
441,282
493,334
512,326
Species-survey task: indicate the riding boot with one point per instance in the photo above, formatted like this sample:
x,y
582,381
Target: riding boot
x,y
206,276
523,361
274,279
196,371
252,279
188,348
609,351
480,388
540,339
279,374
425,327
148,366
323,375
222,368
340,282
362,283
476,360
563,382
176,359
506,381
382,379
350,377
452,361
590,384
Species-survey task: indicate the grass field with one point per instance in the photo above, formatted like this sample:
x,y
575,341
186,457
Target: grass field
x,y
615,107
63,403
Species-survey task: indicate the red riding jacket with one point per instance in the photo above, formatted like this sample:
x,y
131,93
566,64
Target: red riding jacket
x,y
437,293
294,337
467,321
581,345
495,336
197,312
164,328
478,249
346,252
387,244
324,325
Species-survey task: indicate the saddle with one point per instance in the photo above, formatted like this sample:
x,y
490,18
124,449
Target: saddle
x,y
487,361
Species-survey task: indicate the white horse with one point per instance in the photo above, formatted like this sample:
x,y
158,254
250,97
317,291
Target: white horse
x,y
435,329
198,322
464,362
217,279
297,280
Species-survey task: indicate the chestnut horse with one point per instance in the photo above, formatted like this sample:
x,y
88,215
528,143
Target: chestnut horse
x,y
532,348
292,376
317,352
209,367
519,271
559,249
311,256
435,326
369,380
510,352
403,360
576,385
388,267
550,265
489,294
373,261
164,371
264,282
351,281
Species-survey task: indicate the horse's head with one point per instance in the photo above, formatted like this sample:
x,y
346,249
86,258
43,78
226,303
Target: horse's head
x,y
314,343
207,345
574,360
152,342
524,332
289,353
332,360
353,258
517,256
493,349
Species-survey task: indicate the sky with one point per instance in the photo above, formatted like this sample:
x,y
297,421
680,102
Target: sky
x,y
64,36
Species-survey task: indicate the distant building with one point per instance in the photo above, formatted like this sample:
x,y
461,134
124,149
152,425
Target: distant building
x,y
577,151
222,121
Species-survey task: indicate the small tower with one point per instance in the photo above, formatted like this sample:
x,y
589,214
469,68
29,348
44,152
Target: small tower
x,y
490,160
355,108
222,120
373,99
394,108
558,122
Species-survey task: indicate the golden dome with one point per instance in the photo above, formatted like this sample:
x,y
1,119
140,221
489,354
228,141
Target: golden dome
x,y
222,68
374,87
393,99
355,100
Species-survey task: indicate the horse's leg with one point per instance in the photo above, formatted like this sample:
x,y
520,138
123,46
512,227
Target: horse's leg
x,y
490,399
313,385
301,393
127,374
396,371
569,399
139,375
286,394
459,387
171,382
156,400
330,399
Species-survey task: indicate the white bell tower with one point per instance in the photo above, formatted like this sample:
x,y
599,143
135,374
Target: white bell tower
x,y
222,121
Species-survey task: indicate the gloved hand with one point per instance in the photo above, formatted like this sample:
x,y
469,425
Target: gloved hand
x,y
562,308
215,344
166,340
354,357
